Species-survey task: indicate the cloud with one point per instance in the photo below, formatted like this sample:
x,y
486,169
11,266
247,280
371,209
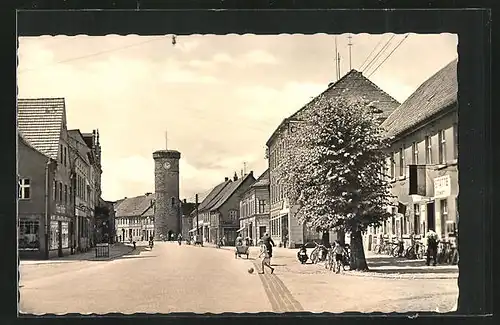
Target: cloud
x,y
259,57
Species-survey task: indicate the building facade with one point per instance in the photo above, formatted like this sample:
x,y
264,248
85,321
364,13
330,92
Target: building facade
x,y
284,225
423,167
254,209
168,207
134,218
42,124
218,213
36,201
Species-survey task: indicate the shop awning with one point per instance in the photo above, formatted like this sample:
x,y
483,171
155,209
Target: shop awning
x,y
242,228
194,229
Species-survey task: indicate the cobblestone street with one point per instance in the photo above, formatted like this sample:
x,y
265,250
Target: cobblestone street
x,y
173,278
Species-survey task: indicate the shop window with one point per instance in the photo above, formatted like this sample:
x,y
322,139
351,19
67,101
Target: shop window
x,y
442,147
29,238
416,219
65,234
54,235
24,189
443,206
428,150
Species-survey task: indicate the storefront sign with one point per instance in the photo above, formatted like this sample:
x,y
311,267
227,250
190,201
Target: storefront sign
x,y
442,187
59,218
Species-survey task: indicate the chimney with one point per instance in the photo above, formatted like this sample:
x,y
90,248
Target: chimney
x,y
226,179
235,177
251,172
148,193
185,201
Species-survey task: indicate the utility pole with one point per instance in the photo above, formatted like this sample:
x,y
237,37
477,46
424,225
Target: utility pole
x,y
338,64
350,54
197,221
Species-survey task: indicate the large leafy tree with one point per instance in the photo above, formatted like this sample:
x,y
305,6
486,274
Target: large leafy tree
x,y
335,169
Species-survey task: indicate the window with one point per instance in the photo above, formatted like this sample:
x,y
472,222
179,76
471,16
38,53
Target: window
x,y
60,192
401,162
29,238
65,193
393,221
55,190
262,206
416,219
414,151
65,159
61,154
455,141
442,147
233,215
24,189
428,150
54,235
393,166
65,234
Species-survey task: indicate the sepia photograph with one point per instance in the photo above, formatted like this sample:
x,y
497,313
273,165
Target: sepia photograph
x,y
238,173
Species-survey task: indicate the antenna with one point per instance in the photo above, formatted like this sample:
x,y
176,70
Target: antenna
x,y
350,54
336,61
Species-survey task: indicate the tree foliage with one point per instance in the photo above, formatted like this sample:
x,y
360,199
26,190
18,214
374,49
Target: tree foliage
x,y
335,167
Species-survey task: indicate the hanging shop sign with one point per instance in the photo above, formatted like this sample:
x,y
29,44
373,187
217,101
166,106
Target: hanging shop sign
x,y
442,187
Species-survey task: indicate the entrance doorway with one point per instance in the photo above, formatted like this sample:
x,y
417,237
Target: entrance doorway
x,y
431,216
262,231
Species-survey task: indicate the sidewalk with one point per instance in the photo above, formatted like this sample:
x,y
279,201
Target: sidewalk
x,y
115,250
380,266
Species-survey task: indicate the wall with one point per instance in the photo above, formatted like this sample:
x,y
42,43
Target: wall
x,y
31,165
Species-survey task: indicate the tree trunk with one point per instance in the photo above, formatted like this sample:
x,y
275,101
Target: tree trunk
x,y
325,238
358,261
341,237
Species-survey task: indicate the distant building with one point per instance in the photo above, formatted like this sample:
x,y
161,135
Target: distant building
x,y
134,218
42,125
187,219
218,213
423,167
254,209
282,216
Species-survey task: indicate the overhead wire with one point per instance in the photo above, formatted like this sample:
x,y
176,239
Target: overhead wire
x,y
382,50
389,55
369,55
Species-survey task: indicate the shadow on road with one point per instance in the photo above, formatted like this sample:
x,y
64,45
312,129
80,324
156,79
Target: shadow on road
x,y
389,265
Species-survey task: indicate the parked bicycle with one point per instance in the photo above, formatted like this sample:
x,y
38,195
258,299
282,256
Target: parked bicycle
x,y
319,253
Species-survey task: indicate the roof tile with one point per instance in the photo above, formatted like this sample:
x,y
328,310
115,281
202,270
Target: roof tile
x,y
435,94
40,121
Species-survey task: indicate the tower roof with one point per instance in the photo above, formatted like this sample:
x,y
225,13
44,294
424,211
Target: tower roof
x,y
169,154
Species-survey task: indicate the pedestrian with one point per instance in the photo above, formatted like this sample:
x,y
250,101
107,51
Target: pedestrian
x,y
268,241
339,252
239,241
432,244
266,258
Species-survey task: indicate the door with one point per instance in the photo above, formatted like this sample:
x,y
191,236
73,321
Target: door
x,y
262,231
59,239
431,217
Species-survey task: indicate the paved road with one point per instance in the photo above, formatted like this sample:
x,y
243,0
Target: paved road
x,y
173,278
170,278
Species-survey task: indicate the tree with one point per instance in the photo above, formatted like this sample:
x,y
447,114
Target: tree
x,y
335,169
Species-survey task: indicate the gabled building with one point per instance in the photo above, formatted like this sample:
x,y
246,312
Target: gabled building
x,y
284,226
218,213
42,125
423,167
134,218
254,209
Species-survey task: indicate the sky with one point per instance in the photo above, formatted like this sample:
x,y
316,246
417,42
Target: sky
x,y
218,97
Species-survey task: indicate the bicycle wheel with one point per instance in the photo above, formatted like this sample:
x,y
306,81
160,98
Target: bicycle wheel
x,y
314,256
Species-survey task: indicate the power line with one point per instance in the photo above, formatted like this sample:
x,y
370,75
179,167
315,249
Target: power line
x,y
94,54
399,44
369,55
382,50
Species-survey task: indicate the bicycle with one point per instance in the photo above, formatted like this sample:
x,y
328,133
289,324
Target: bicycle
x,y
318,254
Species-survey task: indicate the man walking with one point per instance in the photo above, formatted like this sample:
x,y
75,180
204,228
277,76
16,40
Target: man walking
x,y
269,243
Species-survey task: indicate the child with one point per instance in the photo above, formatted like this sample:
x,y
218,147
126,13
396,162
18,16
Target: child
x,y
266,260
339,252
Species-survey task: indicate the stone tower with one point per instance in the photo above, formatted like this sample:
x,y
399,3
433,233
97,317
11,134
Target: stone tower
x,y
167,212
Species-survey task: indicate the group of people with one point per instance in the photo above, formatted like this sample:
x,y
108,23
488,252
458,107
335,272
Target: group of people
x,y
266,250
